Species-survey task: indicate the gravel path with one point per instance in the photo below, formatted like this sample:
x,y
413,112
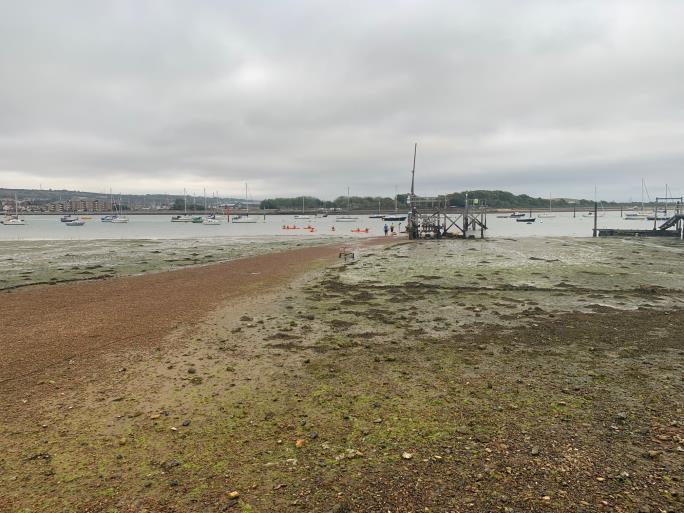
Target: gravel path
x,y
45,326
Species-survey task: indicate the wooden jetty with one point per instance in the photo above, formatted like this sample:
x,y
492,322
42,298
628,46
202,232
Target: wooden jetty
x,y
673,227
425,221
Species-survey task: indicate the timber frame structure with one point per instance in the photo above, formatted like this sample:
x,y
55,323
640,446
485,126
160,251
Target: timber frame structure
x,y
427,222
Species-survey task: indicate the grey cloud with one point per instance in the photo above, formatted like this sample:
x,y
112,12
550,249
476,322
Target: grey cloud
x,y
304,97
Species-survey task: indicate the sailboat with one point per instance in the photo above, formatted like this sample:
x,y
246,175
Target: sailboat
x,y
302,215
634,214
395,216
549,215
211,219
347,218
119,218
185,218
14,220
591,213
245,219
378,215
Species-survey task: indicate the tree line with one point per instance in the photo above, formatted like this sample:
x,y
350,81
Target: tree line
x,y
493,199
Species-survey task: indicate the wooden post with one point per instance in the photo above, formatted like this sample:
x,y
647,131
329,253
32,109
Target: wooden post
x,y
595,218
574,211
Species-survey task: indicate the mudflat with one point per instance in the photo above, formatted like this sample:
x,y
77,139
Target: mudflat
x,y
502,375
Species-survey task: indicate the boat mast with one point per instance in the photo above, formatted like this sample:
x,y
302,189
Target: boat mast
x,y
185,202
413,171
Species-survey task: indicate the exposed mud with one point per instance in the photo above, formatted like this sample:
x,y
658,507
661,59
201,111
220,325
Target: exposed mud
x,y
439,376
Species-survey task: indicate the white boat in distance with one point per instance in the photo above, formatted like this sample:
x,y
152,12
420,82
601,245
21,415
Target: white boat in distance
x,y
14,220
181,219
75,222
346,219
300,216
245,219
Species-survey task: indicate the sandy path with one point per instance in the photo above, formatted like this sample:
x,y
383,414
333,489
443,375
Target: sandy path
x,y
45,326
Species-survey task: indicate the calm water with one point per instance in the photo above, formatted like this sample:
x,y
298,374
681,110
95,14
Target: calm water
x,y
160,227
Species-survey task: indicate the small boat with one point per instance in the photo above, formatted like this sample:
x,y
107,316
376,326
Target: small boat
x,y
181,219
395,217
86,217
198,219
526,219
304,217
119,219
635,215
517,214
288,227
359,230
346,219
67,218
106,219
13,221
211,221
75,222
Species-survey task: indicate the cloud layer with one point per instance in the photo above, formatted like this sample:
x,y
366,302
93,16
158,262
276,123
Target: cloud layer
x,y
311,97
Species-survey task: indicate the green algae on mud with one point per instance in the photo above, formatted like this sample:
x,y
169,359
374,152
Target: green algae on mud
x,y
25,263
553,385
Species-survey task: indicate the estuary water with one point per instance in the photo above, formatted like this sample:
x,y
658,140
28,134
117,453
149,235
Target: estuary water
x,y
160,227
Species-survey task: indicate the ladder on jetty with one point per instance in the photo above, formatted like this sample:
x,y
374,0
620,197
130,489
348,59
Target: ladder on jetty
x,y
673,221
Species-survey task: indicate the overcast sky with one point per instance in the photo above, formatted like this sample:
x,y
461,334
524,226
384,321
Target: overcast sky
x,y
542,97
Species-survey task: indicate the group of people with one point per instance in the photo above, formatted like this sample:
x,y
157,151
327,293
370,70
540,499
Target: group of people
x,y
390,229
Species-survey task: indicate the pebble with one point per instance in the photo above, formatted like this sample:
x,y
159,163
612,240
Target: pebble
x,y
407,455
534,451
233,495
186,423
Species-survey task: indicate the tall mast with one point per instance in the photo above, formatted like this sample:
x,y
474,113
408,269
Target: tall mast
x,y
185,202
413,171
348,199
